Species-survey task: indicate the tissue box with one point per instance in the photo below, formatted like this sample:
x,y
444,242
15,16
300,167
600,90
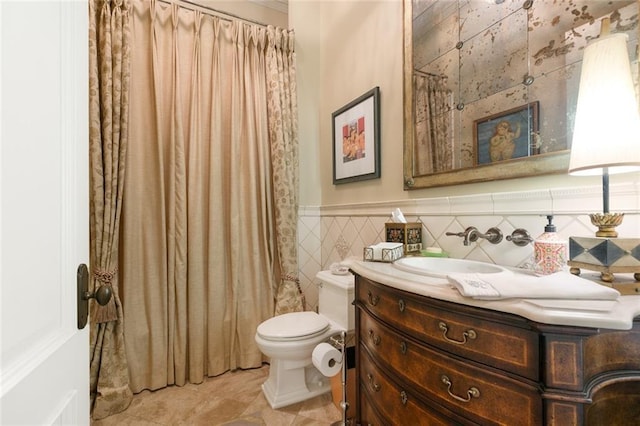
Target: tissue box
x,y
409,234
383,252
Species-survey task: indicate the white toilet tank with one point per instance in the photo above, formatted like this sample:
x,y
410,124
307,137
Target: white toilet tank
x,y
335,297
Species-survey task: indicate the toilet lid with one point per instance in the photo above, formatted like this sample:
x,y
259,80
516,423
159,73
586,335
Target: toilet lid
x,y
293,325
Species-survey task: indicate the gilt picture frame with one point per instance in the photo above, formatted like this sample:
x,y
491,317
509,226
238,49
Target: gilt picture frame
x,y
507,135
356,139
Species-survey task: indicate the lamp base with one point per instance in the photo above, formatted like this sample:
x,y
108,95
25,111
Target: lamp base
x,y
606,272
605,255
606,223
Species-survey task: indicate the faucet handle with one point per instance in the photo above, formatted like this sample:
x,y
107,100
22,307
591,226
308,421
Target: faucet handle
x,y
454,234
493,235
469,235
520,237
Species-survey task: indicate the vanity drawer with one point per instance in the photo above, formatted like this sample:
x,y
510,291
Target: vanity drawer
x,y
462,330
368,415
397,405
477,393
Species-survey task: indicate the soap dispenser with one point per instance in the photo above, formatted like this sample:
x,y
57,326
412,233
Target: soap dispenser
x,y
550,250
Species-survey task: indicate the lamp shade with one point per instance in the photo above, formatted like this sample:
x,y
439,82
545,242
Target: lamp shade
x,y
606,136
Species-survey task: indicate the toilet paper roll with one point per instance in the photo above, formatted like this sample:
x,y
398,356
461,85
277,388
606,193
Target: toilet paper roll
x,y
326,359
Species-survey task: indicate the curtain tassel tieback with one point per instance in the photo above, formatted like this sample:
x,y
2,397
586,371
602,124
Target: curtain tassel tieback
x,y
108,312
293,278
284,289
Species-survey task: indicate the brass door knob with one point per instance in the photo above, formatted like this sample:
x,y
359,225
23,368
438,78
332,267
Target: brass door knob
x,y
102,295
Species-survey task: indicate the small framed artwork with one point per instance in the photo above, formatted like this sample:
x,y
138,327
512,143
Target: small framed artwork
x,y
356,139
506,135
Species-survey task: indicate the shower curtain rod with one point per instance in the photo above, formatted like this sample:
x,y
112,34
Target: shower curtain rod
x,y
220,14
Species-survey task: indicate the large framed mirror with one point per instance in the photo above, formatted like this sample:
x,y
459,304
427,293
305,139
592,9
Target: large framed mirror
x,y
490,86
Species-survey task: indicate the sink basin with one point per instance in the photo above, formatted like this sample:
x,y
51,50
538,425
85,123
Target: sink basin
x,y
442,266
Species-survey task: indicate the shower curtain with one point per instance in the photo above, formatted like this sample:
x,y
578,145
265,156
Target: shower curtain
x,y
433,150
108,115
208,236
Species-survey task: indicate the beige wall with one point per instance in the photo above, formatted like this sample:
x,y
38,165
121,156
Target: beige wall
x,y
344,49
360,47
308,35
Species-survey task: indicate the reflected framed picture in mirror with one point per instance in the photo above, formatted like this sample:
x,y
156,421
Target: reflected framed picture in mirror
x,y
507,135
356,139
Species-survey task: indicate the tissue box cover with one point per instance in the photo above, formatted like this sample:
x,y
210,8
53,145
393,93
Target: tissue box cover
x,y
409,234
386,254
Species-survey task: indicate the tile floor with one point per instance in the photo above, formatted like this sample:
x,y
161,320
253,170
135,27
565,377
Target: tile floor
x,y
233,399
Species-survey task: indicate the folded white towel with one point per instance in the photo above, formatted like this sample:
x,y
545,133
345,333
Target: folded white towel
x,y
507,285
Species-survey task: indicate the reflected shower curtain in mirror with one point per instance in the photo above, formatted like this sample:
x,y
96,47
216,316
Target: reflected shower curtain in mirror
x,y
433,145
201,263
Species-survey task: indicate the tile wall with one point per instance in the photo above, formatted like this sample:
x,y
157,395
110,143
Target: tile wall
x,y
329,234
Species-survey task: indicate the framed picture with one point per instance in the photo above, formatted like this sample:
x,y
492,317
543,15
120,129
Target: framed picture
x,y
506,135
356,139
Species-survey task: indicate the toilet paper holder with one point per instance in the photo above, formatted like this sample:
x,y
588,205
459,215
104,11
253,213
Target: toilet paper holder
x,y
339,341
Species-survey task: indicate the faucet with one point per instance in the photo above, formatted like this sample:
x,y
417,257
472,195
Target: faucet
x,y
471,234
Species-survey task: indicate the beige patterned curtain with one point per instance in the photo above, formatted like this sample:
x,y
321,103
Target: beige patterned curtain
x,y
433,139
209,217
108,115
283,132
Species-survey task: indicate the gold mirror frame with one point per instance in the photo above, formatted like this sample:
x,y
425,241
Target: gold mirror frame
x,y
555,162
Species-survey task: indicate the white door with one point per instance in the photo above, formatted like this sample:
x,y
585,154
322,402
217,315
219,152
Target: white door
x,y
44,227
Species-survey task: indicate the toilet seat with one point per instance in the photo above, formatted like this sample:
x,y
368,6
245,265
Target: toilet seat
x,y
293,326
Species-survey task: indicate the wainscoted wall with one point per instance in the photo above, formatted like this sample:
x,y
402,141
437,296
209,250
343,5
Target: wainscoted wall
x,y
329,234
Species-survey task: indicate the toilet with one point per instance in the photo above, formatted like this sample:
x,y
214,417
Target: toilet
x,y
289,339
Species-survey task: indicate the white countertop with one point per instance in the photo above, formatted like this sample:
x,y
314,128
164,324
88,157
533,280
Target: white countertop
x,y
613,314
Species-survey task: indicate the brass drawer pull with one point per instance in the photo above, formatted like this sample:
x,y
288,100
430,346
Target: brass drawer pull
x,y
403,347
375,339
469,334
473,391
374,385
403,397
401,305
373,300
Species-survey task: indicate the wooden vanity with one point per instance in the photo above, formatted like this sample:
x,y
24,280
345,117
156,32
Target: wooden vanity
x,y
424,361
